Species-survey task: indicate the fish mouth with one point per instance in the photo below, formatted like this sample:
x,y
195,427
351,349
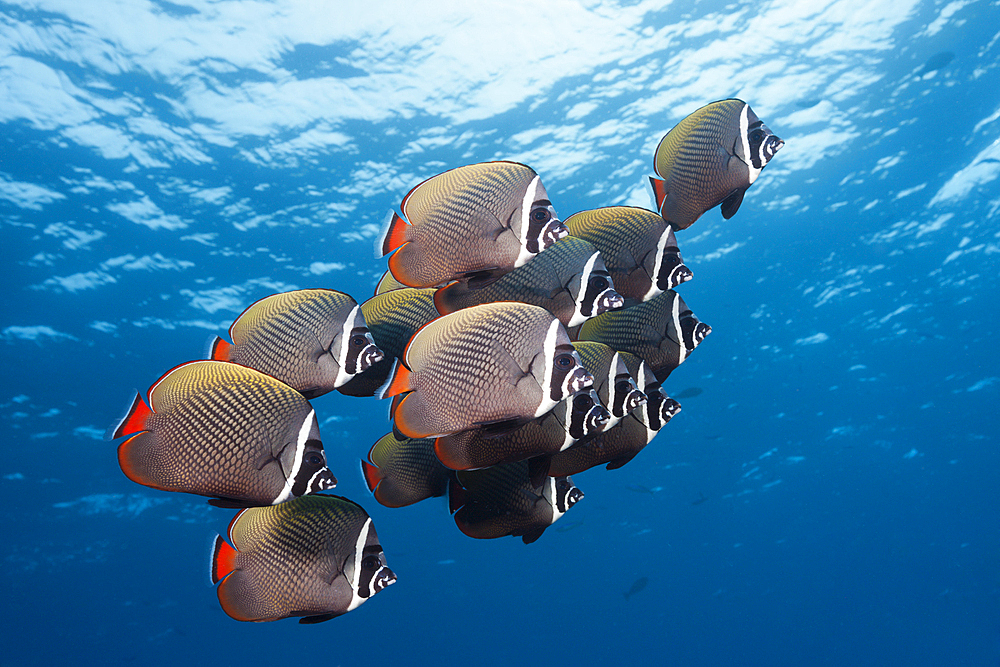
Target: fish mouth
x,y
693,332
771,146
679,274
370,356
668,410
386,577
322,481
578,380
633,400
610,300
594,420
554,230
597,419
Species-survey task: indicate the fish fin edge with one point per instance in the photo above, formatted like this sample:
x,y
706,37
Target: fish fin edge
x,y
223,562
392,235
133,421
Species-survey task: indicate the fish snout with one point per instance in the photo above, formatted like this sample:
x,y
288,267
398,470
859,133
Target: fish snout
x,y
578,380
553,231
693,332
701,330
610,300
633,400
370,356
772,145
386,577
597,419
323,481
668,409
680,274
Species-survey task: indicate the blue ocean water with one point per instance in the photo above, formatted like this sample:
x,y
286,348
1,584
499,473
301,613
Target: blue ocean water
x,y
829,496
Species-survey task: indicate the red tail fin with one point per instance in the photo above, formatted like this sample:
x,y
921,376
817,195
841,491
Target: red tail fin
x,y
399,382
223,560
659,192
221,350
372,476
394,234
133,421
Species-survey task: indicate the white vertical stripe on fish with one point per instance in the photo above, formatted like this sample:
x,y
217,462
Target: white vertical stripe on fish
x,y
588,269
300,447
549,348
359,548
523,254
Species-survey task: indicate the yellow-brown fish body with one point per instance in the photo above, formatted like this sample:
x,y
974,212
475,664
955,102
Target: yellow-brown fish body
x,y
573,419
222,430
314,557
484,365
662,332
387,284
638,247
402,472
473,223
710,158
313,340
614,384
569,280
619,444
392,317
503,500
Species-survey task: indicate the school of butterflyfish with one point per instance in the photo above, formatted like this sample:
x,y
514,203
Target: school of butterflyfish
x,y
517,348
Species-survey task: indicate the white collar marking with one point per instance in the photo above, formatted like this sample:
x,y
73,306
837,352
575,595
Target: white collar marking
x,y
345,346
549,354
524,255
588,269
300,446
359,548
661,245
745,140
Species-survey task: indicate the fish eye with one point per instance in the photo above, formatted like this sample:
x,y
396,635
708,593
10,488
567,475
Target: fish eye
x,y
370,562
583,403
757,136
540,215
314,459
599,282
358,340
565,361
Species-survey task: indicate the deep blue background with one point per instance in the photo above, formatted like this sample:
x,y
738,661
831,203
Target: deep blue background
x,y
845,439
